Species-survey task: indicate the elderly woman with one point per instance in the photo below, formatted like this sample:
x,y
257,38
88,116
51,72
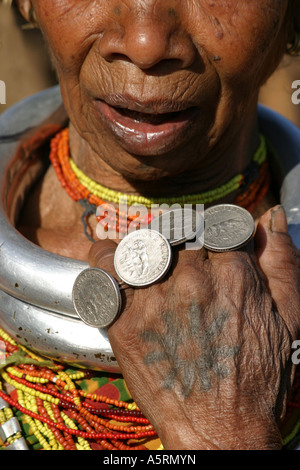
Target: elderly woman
x,y
161,101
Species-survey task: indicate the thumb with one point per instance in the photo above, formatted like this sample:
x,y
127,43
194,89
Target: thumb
x,y
279,260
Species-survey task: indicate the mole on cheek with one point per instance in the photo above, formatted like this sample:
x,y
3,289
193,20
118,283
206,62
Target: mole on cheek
x,y
219,32
172,13
117,10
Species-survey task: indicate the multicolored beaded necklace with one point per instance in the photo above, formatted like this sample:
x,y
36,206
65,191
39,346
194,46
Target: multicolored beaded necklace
x,y
58,407
252,187
52,401
52,410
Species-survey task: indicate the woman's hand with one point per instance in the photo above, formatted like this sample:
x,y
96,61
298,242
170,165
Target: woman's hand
x,y
206,353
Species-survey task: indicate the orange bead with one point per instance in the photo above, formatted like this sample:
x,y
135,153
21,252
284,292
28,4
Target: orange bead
x,y
60,160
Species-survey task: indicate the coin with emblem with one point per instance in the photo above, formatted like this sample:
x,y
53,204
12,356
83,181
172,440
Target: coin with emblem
x,y
143,257
96,297
178,225
227,227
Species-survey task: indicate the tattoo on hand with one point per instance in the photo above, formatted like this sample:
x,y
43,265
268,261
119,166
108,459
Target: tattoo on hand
x,y
205,359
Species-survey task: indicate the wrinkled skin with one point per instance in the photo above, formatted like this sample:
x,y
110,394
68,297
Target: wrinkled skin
x,y
206,352
211,55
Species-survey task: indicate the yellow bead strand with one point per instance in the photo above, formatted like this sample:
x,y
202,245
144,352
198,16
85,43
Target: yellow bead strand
x,y
21,398
5,415
29,378
48,434
36,431
49,410
132,406
70,423
15,437
40,430
83,443
28,390
7,338
76,375
31,403
71,386
201,198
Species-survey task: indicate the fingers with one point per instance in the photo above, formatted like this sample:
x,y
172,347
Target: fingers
x,y
101,256
275,251
276,256
279,260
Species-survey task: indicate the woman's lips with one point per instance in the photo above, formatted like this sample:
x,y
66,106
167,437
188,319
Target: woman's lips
x,y
146,133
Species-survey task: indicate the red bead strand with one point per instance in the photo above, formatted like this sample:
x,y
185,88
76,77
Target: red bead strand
x,y
113,219
75,432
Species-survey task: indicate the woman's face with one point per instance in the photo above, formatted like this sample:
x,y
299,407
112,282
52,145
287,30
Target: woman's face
x,y
162,80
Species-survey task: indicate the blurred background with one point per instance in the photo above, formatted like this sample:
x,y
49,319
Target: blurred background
x,y
24,64
25,67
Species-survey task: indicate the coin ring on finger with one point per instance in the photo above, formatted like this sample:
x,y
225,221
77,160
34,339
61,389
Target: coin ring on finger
x,y
227,227
96,297
143,258
178,225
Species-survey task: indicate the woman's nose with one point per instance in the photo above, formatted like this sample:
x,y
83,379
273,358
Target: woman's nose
x,y
148,41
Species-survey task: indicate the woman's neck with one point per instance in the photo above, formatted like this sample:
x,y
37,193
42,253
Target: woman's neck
x,y
211,169
56,224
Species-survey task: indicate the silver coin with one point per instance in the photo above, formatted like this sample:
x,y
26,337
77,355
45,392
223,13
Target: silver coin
x,y
227,227
96,297
178,225
142,258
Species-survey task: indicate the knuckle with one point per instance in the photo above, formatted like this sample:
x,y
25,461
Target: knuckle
x,y
235,264
101,255
190,281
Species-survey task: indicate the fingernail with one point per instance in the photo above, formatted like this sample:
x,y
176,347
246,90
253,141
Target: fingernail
x,y
278,220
